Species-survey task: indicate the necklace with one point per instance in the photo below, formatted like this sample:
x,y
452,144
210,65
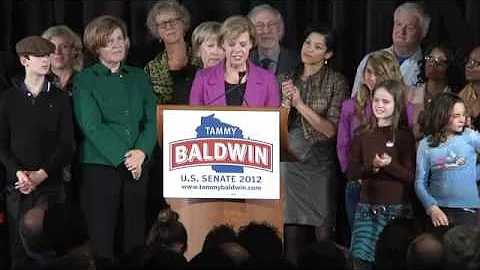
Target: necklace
x,y
391,143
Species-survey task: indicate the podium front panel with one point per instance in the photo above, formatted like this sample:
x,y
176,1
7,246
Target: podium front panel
x,y
221,154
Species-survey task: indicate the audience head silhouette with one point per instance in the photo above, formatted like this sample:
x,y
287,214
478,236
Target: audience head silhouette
x,y
219,235
168,232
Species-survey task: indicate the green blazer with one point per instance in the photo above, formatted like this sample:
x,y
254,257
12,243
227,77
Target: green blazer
x,y
116,113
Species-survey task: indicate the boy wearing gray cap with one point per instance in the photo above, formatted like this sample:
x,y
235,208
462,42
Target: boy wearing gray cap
x,y
35,142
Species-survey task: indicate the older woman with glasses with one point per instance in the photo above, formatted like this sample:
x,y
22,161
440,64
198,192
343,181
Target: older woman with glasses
x,y
171,71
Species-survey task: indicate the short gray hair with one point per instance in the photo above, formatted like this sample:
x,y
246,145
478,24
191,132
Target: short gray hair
x,y
253,13
164,5
420,10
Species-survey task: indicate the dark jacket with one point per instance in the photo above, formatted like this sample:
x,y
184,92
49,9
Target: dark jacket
x,y
36,132
288,60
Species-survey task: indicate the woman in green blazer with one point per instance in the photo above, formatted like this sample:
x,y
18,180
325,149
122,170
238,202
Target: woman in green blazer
x,y
115,109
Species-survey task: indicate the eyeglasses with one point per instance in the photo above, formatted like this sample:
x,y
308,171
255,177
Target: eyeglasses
x,y
472,62
269,25
62,47
436,61
172,22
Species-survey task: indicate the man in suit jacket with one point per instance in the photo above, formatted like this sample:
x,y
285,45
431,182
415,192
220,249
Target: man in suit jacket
x,y
270,29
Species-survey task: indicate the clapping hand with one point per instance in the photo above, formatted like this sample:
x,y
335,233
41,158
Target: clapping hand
x,y
380,161
291,93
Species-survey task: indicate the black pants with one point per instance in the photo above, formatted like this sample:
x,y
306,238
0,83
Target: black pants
x,y
460,216
155,199
114,206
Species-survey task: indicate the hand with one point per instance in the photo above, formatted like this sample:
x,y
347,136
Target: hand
x,y
475,107
291,92
23,184
37,177
381,160
438,216
136,173
133,162
386,158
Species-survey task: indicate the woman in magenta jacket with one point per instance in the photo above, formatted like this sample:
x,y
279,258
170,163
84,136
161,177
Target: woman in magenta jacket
x,y
235,81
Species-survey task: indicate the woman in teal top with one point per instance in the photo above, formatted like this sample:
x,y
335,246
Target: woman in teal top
x,y
115,109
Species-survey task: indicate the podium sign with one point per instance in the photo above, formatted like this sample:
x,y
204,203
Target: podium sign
x,y
221,154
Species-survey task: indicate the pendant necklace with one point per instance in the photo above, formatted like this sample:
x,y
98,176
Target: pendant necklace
x,y
391,143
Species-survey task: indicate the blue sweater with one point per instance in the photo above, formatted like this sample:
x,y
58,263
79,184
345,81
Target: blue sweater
x,y
452,170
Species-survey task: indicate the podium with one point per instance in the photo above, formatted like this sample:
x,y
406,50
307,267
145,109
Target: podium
x,y
200,215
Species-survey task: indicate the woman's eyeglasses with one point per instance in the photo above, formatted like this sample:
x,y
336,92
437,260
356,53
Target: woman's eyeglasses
x,y
172,22
472,62
436,61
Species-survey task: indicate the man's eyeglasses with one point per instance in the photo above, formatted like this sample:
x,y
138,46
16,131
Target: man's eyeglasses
x,y
472,62
172,22
436,61
269,25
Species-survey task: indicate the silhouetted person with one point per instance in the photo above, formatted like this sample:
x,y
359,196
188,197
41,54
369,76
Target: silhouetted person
x,y
425,252
392,245
322,255
263,242
219,235
461,244
66,228
167,232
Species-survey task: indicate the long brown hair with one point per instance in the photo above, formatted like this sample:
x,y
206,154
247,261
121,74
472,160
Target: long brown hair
x,y
437,117
399,119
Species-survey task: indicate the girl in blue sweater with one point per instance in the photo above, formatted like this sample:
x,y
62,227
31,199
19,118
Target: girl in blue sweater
x,y
446,159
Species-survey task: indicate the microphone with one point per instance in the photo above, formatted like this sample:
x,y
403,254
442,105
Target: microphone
x,y
241,74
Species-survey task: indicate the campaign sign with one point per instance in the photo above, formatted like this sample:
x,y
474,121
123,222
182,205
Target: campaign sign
x,y
221,154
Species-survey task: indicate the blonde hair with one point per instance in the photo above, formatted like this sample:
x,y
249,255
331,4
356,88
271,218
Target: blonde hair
x,y
72,38
386,67
236,25
98,31
203,32
171,5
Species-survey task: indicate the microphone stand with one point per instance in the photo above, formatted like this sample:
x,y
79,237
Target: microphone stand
x,y
241,74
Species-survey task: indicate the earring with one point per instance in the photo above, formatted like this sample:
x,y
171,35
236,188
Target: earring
x,y
325,62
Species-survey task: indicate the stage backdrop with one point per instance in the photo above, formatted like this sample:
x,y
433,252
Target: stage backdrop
x,y
362,25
